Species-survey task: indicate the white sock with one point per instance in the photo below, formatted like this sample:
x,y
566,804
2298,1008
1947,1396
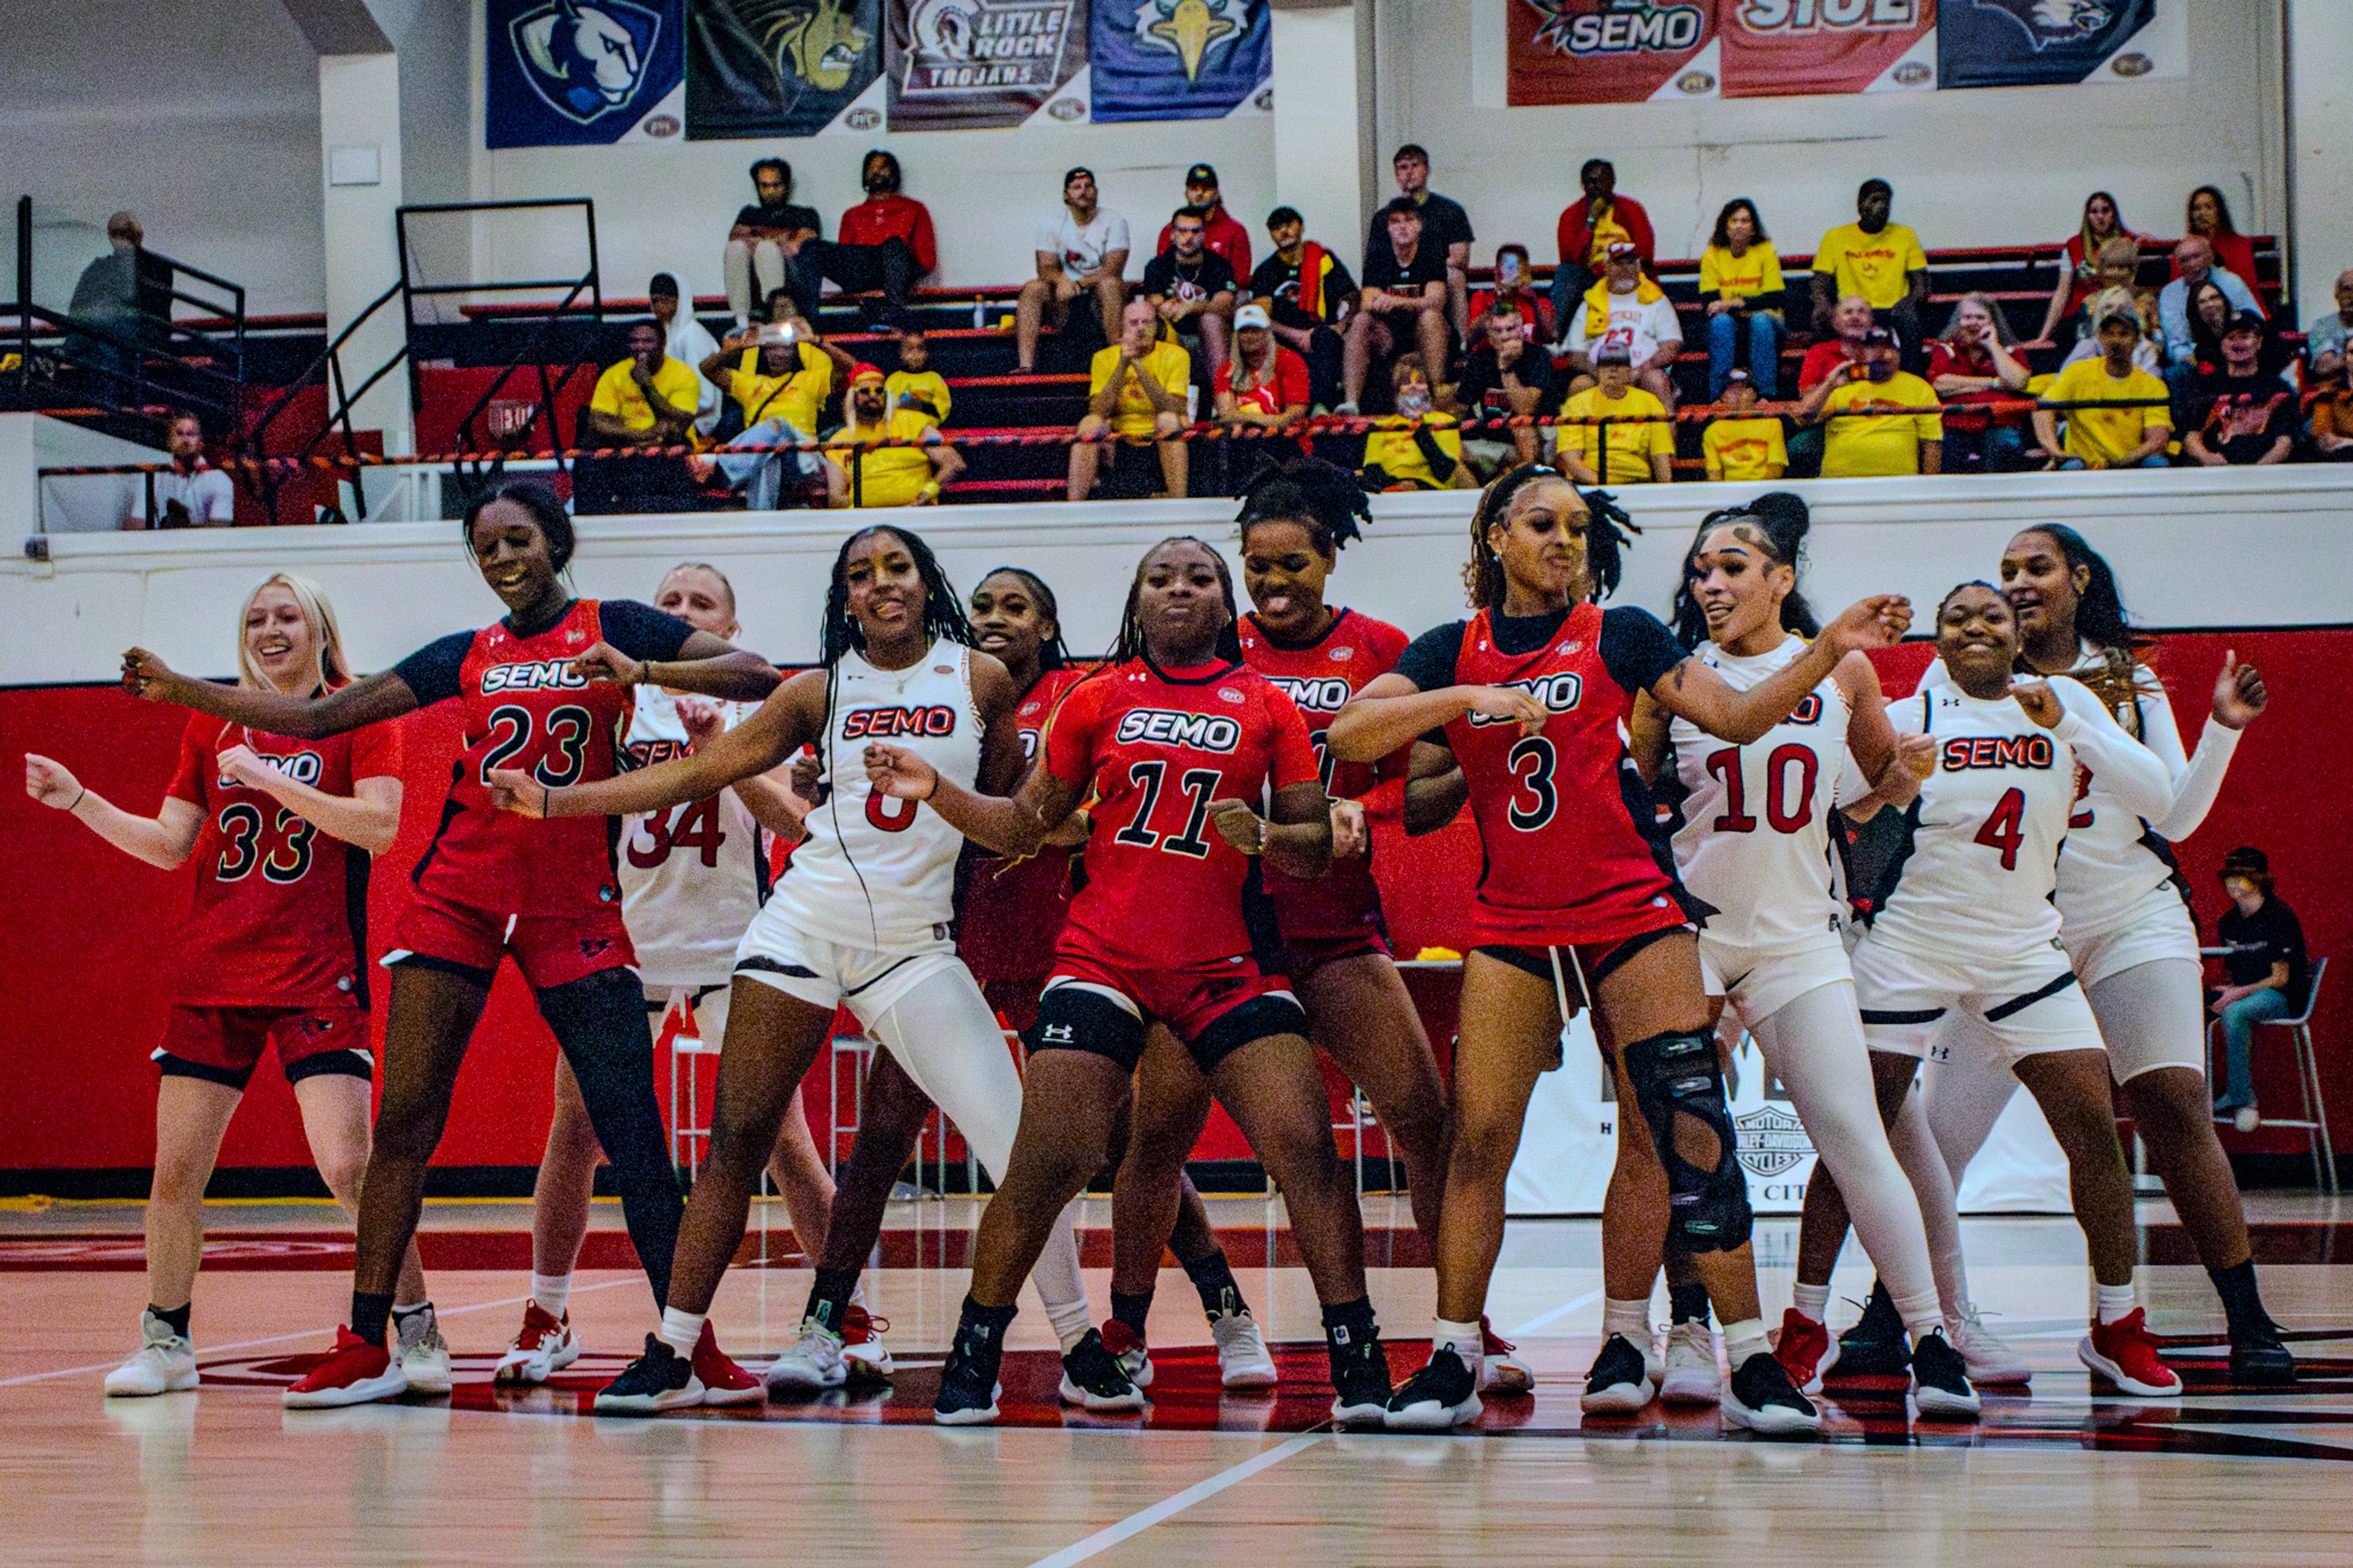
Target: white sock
x,y
1462,1339
408,1308
2114,1301
1071,1321
1813,1302
552,1291
1631,1319
1920,1313
1743,1340
679,1331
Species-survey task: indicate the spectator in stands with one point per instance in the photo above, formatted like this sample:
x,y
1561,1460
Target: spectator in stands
x,y
1588,227
1082,251
687,340
2208,218
1626,309
1307,293
1640,450
2148,353
1404,292
1192,288
915,385
2193,263
2268,970
1827,357
2328,417
1878,259
1506,376
1975,362
782,382
647,400
1445,226
107,295
2208,311
1418,448
1515,286
1135,391
1742,270
2324,340
191,493
2239,413
881,475
2132,435
886,214
1742,446
2119,270
1866,444
1264,385
757,245
2082,268
1220,232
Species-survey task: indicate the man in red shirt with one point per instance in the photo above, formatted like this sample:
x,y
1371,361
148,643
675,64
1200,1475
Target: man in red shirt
x,y
887,215
1850,318
1221,234
1588,227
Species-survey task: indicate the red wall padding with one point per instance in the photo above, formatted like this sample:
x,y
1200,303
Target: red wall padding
x,y
82,926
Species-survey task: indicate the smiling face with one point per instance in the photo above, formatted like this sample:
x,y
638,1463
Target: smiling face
x,y
1540,539
1738,583
2040,585
1976,637
513,555
2241,345
1008,622
885,588
281,641
1851,317
1180,602
645,342
700,597
1284,574
1975,323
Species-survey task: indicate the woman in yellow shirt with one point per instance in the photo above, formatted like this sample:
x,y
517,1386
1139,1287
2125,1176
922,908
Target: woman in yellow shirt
x,y
1743,272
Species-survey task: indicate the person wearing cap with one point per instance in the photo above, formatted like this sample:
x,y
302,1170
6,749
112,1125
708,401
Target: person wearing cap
x,y
1307,293
1857,442
1741,446
1506,376
1264,383
1627,311
2268,971
1404,294
1445,226
2239,413
1135,391
687,340
1080,250
1588,227
1878,259
1221,233
1192,288
2193,263
1640,450
877,475
2134,433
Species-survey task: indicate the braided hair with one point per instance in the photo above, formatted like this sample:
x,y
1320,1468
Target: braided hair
x,y
1131,644
943,616
1052,653
547,514
2101,621
1781,519
1607,532
1322,498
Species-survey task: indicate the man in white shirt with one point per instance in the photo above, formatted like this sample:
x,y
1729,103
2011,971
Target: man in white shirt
x,y
1637,320
1082,249
2195,260
191,493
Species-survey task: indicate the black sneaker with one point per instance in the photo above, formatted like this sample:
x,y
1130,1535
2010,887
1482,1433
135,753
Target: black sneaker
x,y
1761,1398
1091,1376
1619,1382
1876,1346
1443,1394
1360,1381
2259,1359
659,1380
968,1385
1940,1379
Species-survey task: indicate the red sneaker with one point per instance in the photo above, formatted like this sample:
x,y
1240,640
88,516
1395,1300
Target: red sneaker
x,y
1124,1344
1805,1351
542,1347
2125,1355
723,1382
1501,1369
862,1342
355,1373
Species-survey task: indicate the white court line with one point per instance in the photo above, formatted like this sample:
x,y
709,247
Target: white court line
x,y
306,1333
1543,1319
1137,1524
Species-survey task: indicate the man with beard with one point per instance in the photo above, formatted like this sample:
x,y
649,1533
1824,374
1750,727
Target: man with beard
x,y
893,475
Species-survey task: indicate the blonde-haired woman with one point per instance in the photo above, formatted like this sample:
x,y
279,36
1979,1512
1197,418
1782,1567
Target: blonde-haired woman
x,y
274,953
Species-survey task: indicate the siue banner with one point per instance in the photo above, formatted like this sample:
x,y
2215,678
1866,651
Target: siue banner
x,y
1180,59
1789,48
559,73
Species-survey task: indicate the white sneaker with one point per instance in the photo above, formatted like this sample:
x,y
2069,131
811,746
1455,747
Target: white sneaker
x,y
542,1347
813,1364
1991,1362
165,1362
423,1353
1501,1368
1691,1375
1242,1359
862,1346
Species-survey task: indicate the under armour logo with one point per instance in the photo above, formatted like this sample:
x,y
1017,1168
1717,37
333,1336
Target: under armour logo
x,y
1058,1032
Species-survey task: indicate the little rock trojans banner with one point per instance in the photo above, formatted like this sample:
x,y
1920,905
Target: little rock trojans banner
x,y
957,65
1180,59
2024,43
1778,48
777,68
580,73
1610,51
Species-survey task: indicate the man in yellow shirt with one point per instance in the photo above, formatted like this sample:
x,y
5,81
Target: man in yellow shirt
x,y
1639,453
915,385
1863,445
783,381
2131,436
1742,446
1880,260
647,400
1135,391
891,475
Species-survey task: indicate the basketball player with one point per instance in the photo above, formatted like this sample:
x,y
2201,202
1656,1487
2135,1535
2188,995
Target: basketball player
x,y
1531,694
1172,737
543,689
862,917
274,953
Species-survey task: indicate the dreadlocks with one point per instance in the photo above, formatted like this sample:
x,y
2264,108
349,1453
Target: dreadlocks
x,y
943,616
1052,653
1608,531
1131,628
1322,498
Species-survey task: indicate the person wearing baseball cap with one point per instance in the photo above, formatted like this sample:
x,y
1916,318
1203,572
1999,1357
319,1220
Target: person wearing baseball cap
x,y
1264,384
1741,445
894,475
2131,434
1626,309
1219,233
1082,249
1859,441
1614,432
2239,411
2268,971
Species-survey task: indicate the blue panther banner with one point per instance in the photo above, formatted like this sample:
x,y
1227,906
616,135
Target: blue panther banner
x,y
565,73
2031,43
1180,59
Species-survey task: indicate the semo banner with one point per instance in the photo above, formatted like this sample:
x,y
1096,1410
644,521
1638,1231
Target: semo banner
x,y
1609,51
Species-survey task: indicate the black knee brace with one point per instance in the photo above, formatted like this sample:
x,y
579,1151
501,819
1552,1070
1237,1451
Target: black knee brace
x,y
1678,1074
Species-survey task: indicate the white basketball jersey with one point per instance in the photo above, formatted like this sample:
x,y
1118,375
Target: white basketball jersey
x,y
1754,840
874,871
692,876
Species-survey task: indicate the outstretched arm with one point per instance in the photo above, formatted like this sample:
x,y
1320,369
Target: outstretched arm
x,y
371,700
782,725
706,664
1391,711
1694,691
163,840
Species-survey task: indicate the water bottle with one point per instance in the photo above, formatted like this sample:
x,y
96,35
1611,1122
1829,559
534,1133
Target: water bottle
x,y
979,312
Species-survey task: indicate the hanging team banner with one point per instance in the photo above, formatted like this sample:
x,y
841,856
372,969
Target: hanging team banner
x,y
1610,51
1787,49
962,65
1180,59
562,73
2029,43
779,68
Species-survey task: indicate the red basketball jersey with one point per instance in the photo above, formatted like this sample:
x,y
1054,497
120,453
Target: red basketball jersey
x,y
1008,912
1319,679
279,916
1163,889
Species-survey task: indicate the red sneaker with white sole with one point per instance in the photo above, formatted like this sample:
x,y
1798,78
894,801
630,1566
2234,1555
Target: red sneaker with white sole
x,y
1805,1349
1133,1359
355,1373
1501,1369
724,1383
2125,1355
862,1342
542,1347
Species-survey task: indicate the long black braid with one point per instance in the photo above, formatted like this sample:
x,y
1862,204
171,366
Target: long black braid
x,y
1053,653
1323,498
944,615
1606,534
1131,644
1778,520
